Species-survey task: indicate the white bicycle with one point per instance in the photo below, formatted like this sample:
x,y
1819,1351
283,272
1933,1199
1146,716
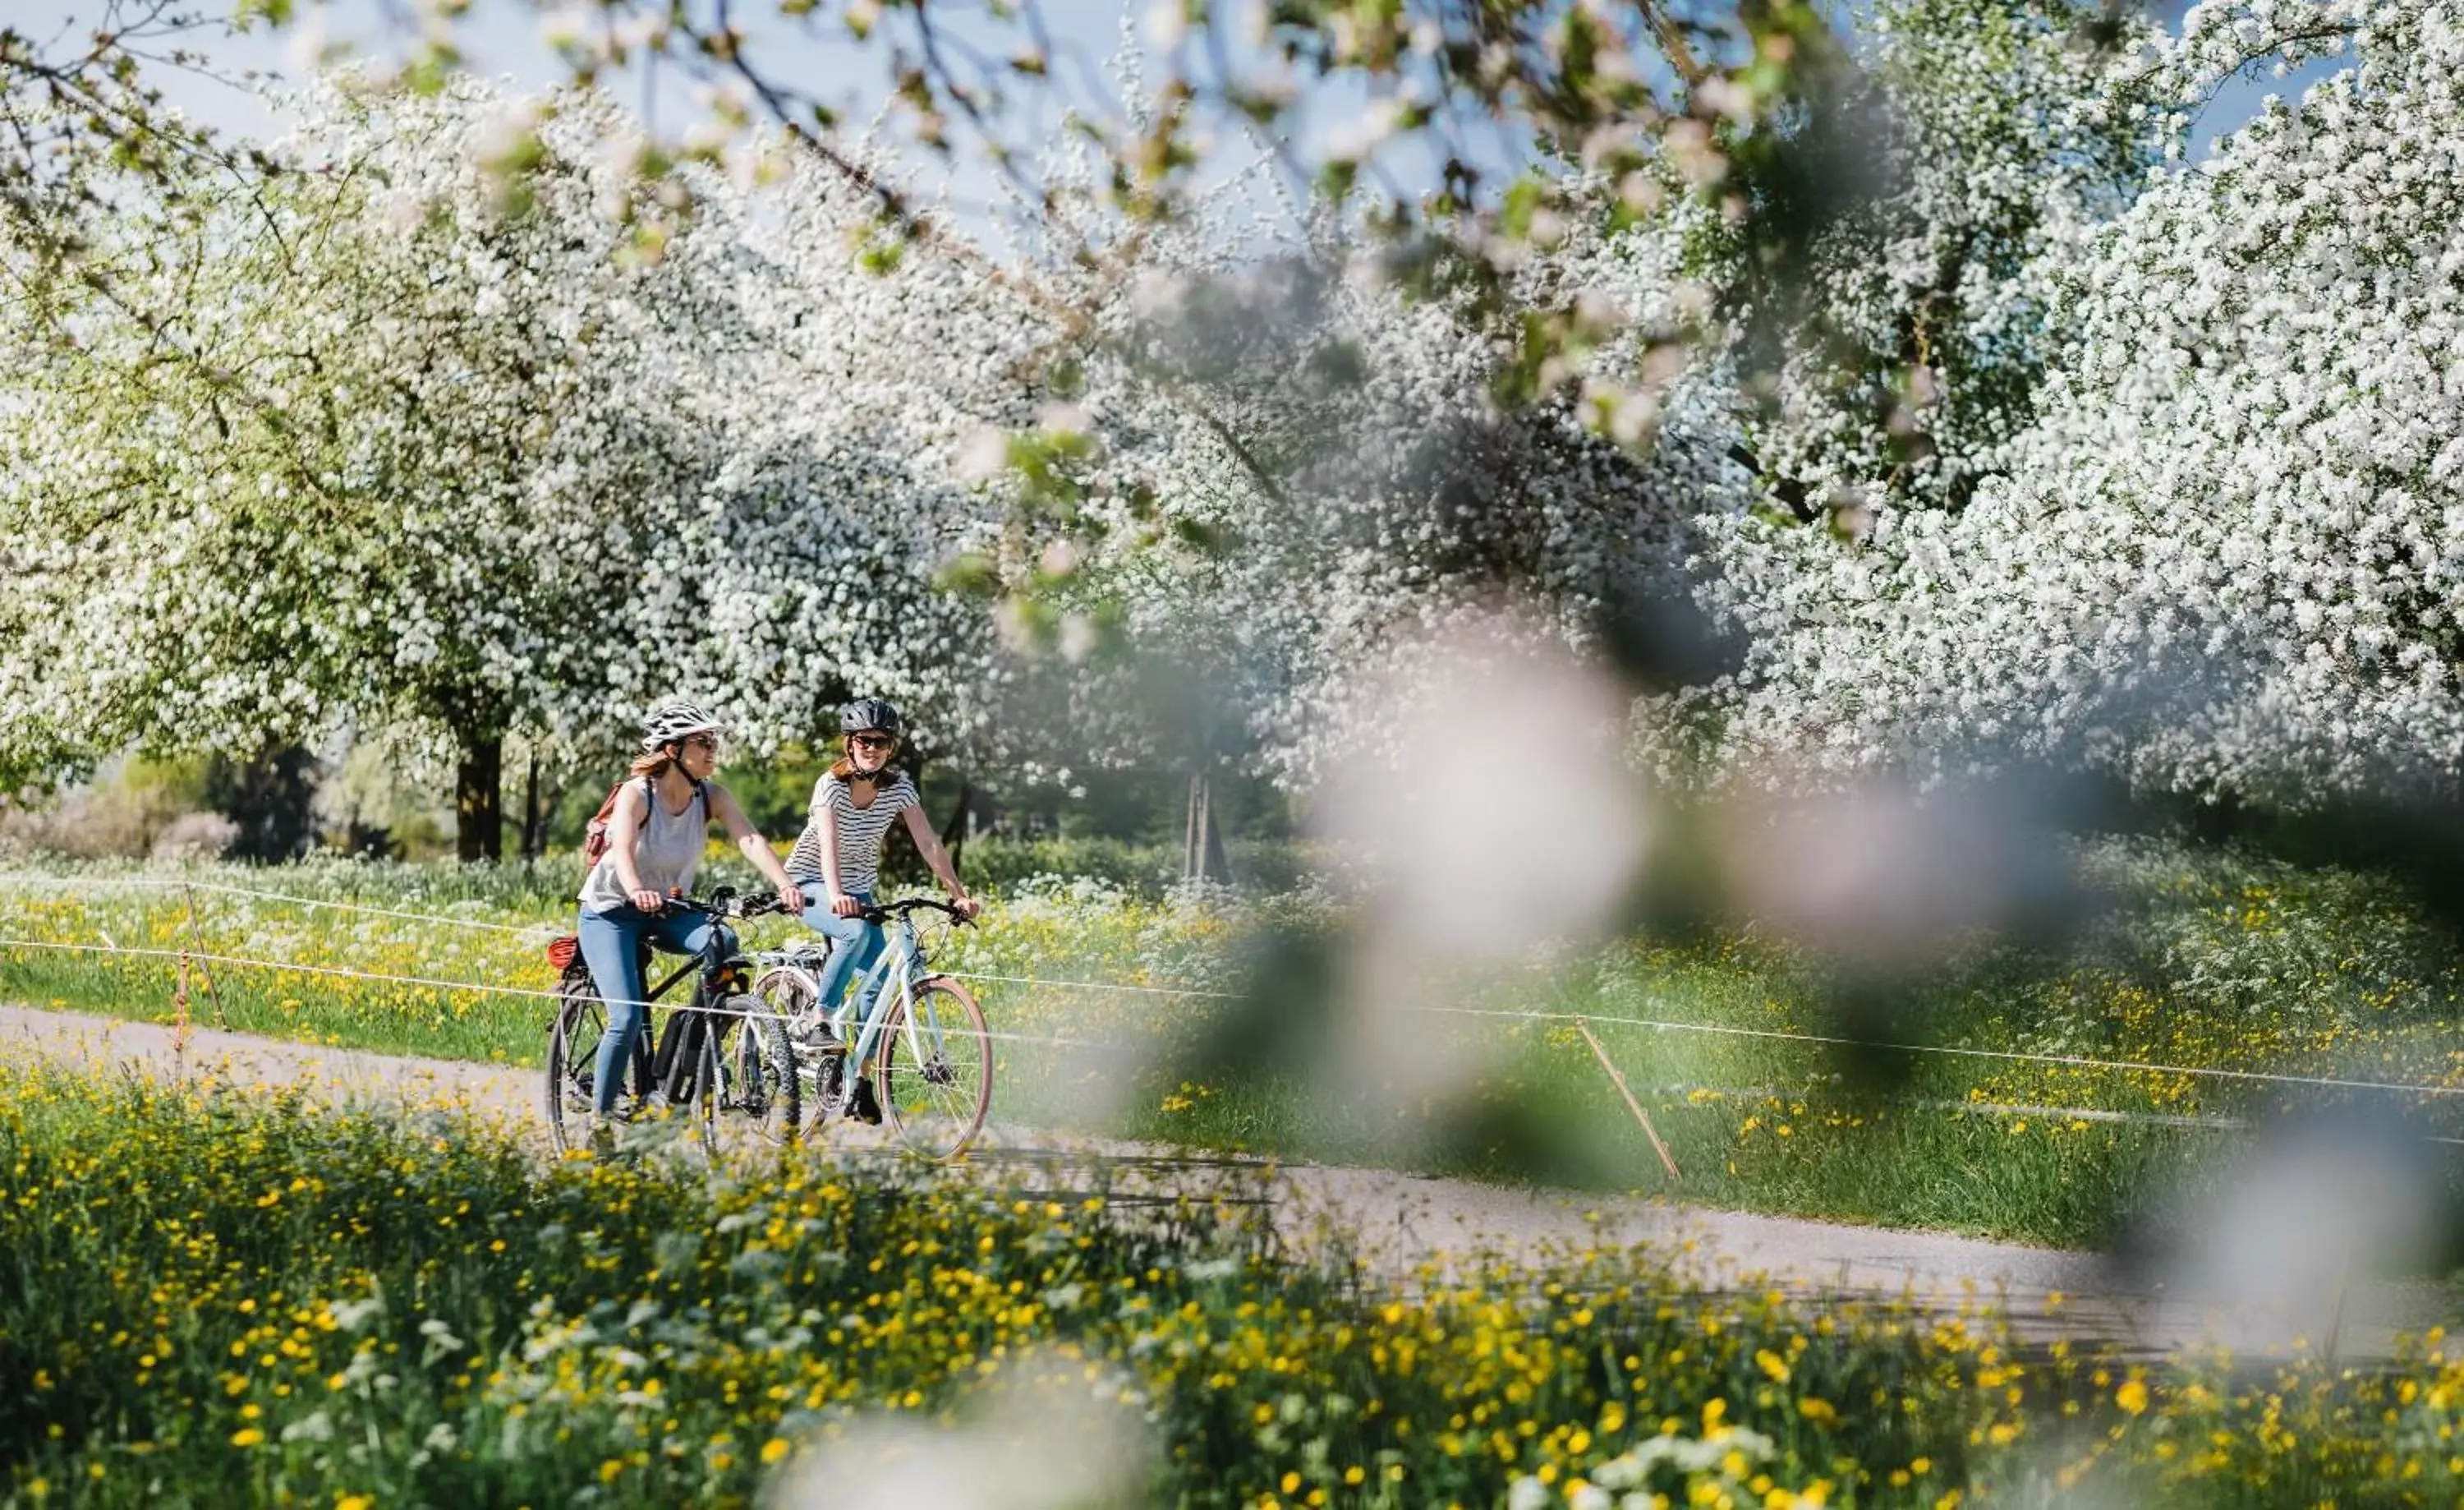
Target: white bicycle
x,y
924,1044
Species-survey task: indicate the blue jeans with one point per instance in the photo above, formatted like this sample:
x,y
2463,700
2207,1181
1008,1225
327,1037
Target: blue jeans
x,y
854,945
611,944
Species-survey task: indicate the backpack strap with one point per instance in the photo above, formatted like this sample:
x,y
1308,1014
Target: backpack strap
x,y
650,795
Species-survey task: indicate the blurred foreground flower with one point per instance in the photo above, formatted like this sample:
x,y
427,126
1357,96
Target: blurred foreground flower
x,y
1506,821
1507,815
1048,1433
2276,1247
1880,876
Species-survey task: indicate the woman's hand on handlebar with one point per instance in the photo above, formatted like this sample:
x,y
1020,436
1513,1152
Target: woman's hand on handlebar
x,y
967,907
846,907
791,899
649,902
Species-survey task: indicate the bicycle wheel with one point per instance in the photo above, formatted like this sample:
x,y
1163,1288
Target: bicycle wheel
x,y
573,1037
788,990
936,1106
791,991
760,1084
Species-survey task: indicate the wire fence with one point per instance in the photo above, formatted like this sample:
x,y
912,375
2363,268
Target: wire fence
x,y
1664,1025
35,880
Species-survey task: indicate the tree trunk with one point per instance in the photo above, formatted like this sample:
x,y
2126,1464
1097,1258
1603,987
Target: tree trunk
x,y
530,809
1192,827
1202,857
1213,863
954,833
478,810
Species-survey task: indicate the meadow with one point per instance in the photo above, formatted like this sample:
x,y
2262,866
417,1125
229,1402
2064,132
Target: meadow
x,y
213,1297
1210,1020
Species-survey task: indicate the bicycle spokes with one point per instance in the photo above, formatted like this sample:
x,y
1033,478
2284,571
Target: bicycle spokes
x,y
936,1076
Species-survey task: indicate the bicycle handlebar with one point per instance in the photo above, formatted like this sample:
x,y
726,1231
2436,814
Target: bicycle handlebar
x,y
888,910
723,903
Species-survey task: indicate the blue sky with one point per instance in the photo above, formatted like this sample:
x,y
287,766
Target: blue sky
x,y
501,37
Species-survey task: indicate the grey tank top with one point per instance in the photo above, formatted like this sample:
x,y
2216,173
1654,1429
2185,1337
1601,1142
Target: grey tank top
x,y
665,853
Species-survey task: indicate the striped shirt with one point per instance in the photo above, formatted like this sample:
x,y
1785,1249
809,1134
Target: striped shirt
x,y
860,831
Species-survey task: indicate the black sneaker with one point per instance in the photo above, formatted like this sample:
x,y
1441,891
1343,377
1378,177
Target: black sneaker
x,y
864,1106
813,1034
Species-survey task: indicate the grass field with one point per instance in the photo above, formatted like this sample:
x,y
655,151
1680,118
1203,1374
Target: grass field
x,y
2202,961
212,1299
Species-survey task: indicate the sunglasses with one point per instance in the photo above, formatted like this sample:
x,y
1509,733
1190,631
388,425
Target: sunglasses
x,y
702,742
873,742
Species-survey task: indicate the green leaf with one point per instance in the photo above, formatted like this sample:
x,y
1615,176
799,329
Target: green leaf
x,y
274,12
972,573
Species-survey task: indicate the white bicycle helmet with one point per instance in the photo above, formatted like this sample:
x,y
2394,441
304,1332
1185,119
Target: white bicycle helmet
x,y
671,722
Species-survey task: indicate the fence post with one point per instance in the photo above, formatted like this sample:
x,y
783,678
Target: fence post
x,y
1632,1105
2344,1291
180,1024
197,938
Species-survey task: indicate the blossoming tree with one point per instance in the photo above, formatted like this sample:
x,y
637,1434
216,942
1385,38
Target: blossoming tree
x,y
1369,458
2227,558
455,441
502,461
1976,145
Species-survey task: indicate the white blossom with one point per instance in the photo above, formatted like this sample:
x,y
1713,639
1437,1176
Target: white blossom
x,y
2227,554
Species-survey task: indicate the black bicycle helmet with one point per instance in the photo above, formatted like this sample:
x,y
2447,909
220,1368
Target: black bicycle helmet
x,y
869,713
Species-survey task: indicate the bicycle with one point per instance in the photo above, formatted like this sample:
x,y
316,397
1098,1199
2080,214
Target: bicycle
x,y
925,1039
702,1065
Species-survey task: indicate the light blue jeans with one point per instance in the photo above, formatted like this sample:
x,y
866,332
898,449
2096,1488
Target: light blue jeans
x,y
854,945
858,945
611,943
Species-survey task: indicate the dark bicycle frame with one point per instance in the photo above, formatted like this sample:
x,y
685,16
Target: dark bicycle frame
x,y
669,1067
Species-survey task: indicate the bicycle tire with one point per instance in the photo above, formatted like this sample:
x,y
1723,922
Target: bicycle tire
x,y
574,1034
787,991
938,1107
761,1083
791,991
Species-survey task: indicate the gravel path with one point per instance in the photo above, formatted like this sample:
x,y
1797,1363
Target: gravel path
x,y
1396,1221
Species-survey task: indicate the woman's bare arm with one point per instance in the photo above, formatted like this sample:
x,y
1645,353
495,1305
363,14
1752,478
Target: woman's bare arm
x,y
928,845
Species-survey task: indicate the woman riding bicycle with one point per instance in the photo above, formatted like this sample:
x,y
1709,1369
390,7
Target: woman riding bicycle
x,y
655,834
837,859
